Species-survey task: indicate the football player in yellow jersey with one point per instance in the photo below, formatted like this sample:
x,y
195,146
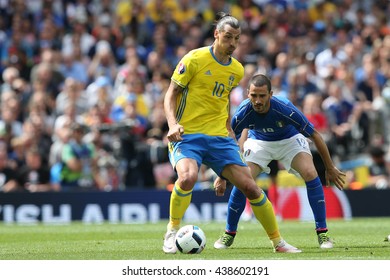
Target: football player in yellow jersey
x,y
197,110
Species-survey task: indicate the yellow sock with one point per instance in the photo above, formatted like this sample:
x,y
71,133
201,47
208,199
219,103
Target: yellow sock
x,y
180,200
264,213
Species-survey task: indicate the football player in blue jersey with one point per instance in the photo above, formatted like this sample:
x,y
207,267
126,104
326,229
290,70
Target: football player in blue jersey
x,y
271,128
197,106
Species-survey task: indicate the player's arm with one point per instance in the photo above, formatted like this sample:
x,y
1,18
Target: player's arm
x,y
240,135
219,183
219,186
332,173
175,129
228,123
229,128
235,127
299,120
242,139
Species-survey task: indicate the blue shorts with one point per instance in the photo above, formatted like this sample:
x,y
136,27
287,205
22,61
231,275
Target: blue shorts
x,y
214,151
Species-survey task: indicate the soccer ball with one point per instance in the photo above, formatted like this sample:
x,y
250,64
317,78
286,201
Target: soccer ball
x,y
190,239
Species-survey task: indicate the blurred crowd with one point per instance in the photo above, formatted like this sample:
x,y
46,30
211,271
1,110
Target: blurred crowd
x,y
81,97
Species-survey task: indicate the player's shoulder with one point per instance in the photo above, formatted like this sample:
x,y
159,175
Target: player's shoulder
x,y
279,100
237,68
199,52
244,106
192,59
237,64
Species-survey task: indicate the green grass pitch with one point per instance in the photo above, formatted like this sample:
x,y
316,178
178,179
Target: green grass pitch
x,y
357,239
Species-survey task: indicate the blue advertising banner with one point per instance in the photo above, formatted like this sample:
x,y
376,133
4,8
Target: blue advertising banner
x,y
95,207
142,206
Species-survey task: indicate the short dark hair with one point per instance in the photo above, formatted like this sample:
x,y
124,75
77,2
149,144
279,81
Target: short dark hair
x,y
376,151
260,80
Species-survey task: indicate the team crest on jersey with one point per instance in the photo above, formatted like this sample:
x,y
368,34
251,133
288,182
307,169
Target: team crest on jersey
x,y
231,80
279,124
181,68
247,152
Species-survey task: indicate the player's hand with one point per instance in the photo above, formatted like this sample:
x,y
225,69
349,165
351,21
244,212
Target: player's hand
x,y
335,176
219,186
175,132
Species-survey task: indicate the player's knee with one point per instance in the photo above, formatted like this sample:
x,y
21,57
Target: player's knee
x,y
309,174
251,190
187,181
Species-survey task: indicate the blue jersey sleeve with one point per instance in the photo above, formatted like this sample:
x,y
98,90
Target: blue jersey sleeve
x,y
240,118
295,117
282,121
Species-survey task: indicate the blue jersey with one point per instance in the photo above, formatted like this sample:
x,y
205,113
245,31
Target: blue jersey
x,y
282,121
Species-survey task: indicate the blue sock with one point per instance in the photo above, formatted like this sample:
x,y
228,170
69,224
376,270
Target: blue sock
x,y
316,197
236,206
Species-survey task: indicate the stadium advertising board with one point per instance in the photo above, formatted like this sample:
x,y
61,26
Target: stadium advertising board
x,y
142,206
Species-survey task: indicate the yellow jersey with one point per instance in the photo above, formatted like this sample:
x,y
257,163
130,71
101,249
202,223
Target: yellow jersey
x,y
203,107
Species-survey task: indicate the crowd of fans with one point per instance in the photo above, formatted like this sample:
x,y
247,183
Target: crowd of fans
x,y
83,81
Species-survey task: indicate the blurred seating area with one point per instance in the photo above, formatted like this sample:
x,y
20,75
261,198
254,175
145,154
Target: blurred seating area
x,y
83,81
